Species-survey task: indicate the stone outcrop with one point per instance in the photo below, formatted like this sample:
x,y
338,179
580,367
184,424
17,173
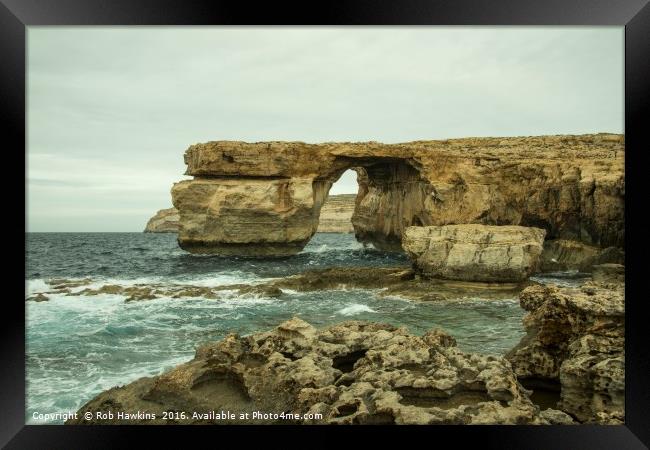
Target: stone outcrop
x,y
39,297
350,373
335,217
507,253
561,255
165,221
576,340
265,198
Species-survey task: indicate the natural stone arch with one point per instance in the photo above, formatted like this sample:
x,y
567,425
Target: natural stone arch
x,y
265,198
392,195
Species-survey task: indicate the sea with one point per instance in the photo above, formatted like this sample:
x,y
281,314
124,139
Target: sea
x,y
78,346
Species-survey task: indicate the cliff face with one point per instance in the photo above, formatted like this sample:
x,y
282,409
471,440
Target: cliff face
x,y
265,198
336,214
335,217
165,221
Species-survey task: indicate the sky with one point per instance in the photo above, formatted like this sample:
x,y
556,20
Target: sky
x,y
111,110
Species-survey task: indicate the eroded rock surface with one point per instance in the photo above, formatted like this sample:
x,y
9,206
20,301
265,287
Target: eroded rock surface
x,y
474,252
350,373
335,217
265,198
562,255
577,336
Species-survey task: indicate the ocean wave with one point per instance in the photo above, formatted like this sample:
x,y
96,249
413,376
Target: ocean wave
x,y
123,330
65,393
37,285
355,309
42,285
324,248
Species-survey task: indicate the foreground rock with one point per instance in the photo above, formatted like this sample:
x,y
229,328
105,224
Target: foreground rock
x,y
475,252
265,198
350,373
576,339
165,221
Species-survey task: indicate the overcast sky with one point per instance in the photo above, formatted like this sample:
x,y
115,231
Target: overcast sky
x,y
111,110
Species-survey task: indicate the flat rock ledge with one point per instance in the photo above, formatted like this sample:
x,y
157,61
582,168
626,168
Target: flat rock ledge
x,y
349,373
399,281
576,339
473,252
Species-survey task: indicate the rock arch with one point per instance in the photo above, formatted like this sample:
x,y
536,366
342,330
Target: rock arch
x,y
264,198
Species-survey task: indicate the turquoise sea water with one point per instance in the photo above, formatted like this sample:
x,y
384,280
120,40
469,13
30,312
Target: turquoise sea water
x,y
78,346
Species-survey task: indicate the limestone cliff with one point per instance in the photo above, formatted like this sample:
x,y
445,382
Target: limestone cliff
x,y
336,214
335,217
265,198
165,221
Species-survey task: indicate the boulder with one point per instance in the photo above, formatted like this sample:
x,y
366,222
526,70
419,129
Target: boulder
x,y
474,252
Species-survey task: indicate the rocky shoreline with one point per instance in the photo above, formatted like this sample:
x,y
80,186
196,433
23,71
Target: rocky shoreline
x,y
400,281
350,373
368,373
576,339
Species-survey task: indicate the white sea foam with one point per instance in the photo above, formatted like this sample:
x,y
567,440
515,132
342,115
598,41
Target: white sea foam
x,y
36,285
234,303
354,309
323,248
77,394
236,277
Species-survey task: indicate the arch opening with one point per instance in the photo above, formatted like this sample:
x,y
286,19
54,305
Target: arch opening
x,y
338,207
390,195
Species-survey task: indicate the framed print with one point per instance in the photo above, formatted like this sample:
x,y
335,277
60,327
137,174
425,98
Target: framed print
x,y
402,219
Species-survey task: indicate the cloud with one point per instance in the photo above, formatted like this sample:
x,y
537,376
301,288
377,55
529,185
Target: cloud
x,y
111,110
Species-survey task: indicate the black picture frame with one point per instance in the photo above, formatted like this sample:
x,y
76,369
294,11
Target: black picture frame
x,y
634,15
